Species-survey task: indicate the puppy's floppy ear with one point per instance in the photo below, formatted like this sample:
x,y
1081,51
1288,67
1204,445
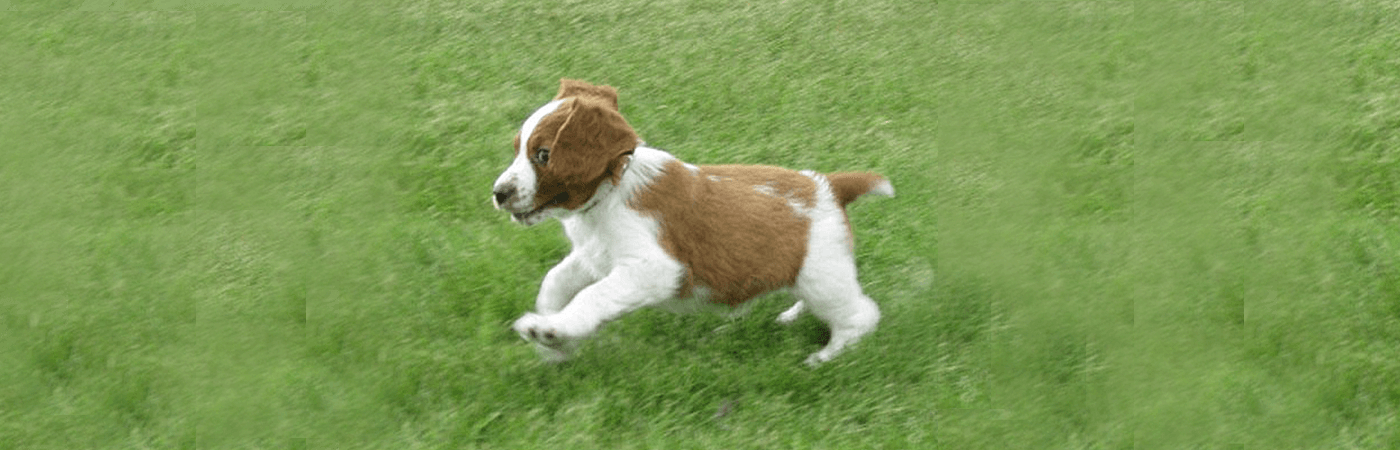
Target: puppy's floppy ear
x,y
579,88
592,142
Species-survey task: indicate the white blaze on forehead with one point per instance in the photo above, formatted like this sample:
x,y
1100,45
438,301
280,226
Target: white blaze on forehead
x,y
534,121
521,175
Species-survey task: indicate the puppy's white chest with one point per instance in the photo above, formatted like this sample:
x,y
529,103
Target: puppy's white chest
x,y
616,237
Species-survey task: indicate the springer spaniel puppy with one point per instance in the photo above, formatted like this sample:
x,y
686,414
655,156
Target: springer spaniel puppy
x,y
650,230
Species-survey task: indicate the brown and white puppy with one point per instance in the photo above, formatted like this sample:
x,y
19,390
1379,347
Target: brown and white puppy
x,y
651,230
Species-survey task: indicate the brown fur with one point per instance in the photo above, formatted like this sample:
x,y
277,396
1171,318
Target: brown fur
x,y
578,88
732,238
849,185
786,183
587,140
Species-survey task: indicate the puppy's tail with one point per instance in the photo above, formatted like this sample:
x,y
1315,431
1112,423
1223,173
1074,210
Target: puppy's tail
x,y
850,185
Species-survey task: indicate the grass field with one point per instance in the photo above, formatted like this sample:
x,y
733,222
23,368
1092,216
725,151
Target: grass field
x,y
1119,224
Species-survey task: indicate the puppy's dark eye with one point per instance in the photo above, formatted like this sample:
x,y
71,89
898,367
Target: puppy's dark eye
x,y
542,156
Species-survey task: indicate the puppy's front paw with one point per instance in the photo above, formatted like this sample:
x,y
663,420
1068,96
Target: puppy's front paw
x,y
538,329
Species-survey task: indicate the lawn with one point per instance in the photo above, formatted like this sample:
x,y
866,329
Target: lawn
x,y
1119,224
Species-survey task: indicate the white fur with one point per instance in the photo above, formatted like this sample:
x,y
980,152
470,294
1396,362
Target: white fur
x,y
521,173
827,284
883,188
618,265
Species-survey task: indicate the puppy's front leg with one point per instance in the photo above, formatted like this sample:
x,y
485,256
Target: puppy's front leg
x,y
562,283
623,290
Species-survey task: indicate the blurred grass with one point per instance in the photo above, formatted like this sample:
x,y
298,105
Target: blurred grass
x,y
1120,224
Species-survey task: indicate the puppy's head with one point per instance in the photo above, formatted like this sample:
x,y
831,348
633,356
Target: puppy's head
x,y
564,151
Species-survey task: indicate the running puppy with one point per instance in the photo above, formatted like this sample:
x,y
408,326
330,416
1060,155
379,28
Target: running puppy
x,y
651,230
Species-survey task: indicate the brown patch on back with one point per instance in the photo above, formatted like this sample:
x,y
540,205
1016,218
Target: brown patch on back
x,y
734,237
786,183
588,141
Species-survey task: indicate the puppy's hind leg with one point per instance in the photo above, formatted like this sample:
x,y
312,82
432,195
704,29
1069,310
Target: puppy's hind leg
x,y
835,297
849,320
791,315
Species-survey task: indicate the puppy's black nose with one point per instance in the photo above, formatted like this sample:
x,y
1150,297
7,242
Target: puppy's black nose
x,y
504,194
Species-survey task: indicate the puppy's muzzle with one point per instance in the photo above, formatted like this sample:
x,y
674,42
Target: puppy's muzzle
x,y
502,195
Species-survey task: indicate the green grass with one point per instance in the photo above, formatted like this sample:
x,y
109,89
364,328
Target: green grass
x,y
1119,224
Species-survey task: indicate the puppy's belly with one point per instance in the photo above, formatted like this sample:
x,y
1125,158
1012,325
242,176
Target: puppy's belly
x,y
701,301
